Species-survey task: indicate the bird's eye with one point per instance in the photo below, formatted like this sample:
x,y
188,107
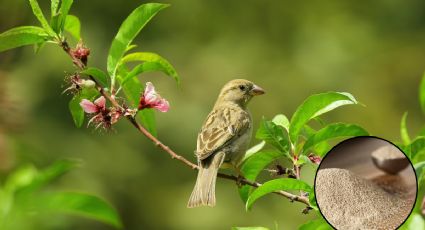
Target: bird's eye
x,y
242,87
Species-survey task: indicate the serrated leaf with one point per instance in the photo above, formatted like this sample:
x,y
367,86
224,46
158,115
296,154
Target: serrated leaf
x,y
274,135
317,224
76,111
253,166
83,205
314,106
151,62
73,26
281,120
335,130
40,16
276,185
98,74
21,36
128,30
403,130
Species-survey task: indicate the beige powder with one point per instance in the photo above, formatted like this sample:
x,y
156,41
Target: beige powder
x,y
387,152
351,202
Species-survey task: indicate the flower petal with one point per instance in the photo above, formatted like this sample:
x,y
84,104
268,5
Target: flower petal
x,y
101,102
150,93
162,105
88,106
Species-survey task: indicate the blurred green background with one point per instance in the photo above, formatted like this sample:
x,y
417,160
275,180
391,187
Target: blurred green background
x,y
372,49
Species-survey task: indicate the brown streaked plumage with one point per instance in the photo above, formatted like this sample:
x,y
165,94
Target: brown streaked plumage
x,y
224,137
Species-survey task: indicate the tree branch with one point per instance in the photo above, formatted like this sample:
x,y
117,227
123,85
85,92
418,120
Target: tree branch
x,y
174,155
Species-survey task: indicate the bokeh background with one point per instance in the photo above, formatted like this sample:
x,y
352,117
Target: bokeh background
x,y
372,49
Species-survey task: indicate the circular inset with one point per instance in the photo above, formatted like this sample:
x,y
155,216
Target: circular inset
x,y
365,183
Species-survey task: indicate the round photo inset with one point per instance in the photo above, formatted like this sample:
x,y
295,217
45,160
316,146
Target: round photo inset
x,y
365,183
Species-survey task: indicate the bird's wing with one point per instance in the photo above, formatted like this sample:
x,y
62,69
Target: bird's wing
x,y
220,128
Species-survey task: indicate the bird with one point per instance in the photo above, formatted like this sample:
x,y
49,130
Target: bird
x,y
223,138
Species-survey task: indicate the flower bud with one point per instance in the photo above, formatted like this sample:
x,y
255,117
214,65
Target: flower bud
x,y
88,84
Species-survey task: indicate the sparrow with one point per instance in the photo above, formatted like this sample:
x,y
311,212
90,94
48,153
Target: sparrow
x,y
223,139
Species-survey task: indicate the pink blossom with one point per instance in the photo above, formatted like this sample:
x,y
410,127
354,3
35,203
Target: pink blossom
x,y
151,99
102,116
90,107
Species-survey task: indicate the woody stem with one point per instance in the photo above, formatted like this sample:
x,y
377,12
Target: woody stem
x,y
78,63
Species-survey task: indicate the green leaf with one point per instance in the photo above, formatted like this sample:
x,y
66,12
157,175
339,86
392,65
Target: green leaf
x,y
98,74
276,185
40,16
274,135
38,46
83,205
403,130
281,120
312,200
128,30
54,7
47,175
64,10
73,26
151,62
332,131
417,147
21,36
253,150
132,90
253,166
20,178
419,169
317,224
74,105
302,159
422,93
314,106
414,222
76,111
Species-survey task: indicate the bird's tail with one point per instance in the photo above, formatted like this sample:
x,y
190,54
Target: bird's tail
x,y
204,192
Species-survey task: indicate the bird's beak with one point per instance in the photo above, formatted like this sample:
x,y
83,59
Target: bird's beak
x,y
256,90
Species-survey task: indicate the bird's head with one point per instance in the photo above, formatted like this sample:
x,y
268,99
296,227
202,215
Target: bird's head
x,y
239,91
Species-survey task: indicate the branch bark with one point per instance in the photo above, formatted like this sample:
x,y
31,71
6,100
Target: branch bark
x,y
158,143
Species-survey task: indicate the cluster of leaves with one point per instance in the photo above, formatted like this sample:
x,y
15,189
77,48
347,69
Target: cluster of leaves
x,y
415,150
295,143
22,197
118,76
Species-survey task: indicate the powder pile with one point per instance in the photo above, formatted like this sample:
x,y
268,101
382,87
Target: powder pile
x,y
352,202
387,152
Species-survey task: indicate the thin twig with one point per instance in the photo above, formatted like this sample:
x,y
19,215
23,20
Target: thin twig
x,y
174,155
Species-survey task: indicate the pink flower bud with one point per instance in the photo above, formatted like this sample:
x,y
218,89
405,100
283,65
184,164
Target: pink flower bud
x,y
315,159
